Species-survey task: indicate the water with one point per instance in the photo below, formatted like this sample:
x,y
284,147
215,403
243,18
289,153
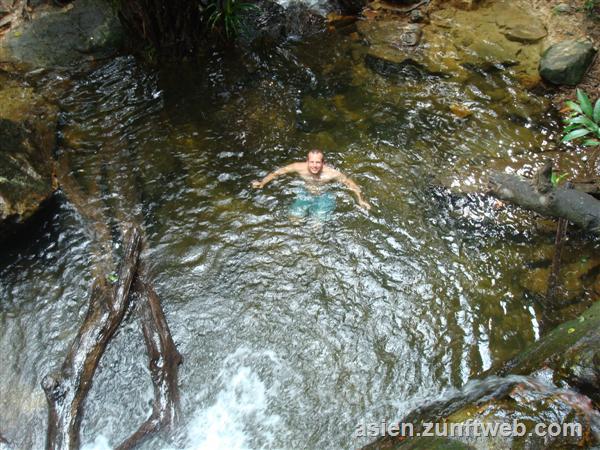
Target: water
x,y
292,332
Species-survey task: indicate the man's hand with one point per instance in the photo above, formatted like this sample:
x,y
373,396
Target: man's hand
x,y
257,184
364,204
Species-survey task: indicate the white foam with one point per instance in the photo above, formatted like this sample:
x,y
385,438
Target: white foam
x,y
239,418
100,443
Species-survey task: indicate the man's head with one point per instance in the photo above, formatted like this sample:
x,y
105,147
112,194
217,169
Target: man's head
x,y
315,161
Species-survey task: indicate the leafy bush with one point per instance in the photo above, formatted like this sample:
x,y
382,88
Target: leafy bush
x,y
584,121
228,15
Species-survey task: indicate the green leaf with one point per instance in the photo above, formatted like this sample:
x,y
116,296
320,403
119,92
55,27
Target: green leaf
x,y
571,127
555,178
574,106
589,123
596,115
591,143
584,101
576,134
112,277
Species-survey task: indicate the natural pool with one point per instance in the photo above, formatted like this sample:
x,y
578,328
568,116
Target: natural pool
x,y
292,332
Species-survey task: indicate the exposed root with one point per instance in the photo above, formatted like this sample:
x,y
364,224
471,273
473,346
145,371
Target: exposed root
x,y
67,389
164,360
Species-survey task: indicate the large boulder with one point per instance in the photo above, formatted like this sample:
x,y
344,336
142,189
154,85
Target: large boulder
x,y
63,36
566,62
27,139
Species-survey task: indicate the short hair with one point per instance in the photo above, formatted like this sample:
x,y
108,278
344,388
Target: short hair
x,y
317,151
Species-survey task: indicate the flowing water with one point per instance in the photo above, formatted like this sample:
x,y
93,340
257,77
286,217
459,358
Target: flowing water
x,y
292,331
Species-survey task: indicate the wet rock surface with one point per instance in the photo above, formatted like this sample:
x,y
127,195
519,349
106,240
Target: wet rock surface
x,y
63,36
496,36
502,402
571,350
520,26
27,139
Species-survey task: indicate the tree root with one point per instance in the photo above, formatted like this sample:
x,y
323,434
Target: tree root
x,y
164,360
66,390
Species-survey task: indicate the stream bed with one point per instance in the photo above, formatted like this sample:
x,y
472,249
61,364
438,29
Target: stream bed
x,y
292,331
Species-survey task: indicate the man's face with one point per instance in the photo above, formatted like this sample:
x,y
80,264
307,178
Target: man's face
x,y
315,163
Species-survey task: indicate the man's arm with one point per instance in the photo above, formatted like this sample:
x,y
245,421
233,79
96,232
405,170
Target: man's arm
x,y
277,173
355,188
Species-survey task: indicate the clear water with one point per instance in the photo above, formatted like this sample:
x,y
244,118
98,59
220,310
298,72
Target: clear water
x,y
292,332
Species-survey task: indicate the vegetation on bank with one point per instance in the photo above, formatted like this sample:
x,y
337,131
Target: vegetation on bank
x,y
584,121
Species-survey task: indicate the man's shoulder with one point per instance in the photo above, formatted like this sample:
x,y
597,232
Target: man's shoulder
x,y
331,172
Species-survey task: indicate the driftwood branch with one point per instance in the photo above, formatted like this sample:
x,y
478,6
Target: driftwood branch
x,y
540,196
67,389
164,360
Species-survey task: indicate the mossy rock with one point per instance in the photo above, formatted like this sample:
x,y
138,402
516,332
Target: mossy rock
x,y
566,62
502,404
63,36
571,350
27,139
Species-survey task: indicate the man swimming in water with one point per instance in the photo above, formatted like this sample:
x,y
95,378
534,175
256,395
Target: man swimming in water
x,y
316,174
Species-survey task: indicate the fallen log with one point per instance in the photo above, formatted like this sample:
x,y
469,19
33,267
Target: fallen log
x,y
164,360
539,195
67,389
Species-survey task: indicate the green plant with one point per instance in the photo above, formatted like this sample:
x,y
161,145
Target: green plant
x,y
228,15
555,178
590,7
583,121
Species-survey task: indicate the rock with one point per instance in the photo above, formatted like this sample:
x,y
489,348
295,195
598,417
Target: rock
x,y
517,25
460,111
571,350
417,16
566,62
466,4
562,8
411,35
270,23
407,68
512,400
27,136
351,6
64,36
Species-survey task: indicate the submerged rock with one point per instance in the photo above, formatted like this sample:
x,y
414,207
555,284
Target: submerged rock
x,y
27,139
566,62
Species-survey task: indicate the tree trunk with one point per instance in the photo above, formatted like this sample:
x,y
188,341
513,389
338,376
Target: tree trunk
x,y
540,196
